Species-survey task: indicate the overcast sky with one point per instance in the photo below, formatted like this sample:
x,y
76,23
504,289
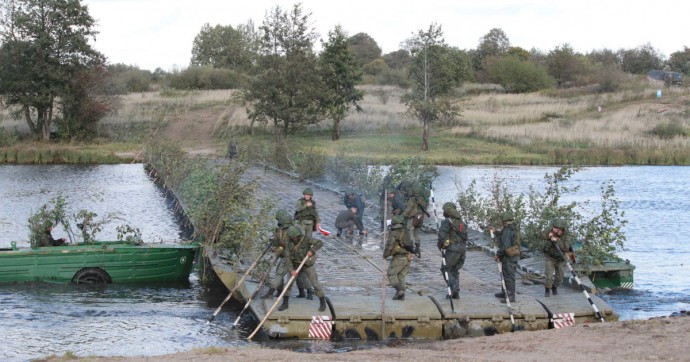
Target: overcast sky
x,y
159,33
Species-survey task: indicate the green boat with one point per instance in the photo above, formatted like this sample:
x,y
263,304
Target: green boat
x,y
98,263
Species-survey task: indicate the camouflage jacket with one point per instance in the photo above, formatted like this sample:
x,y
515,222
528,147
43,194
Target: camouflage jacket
x,y
297,251
564,242
397,240
304,212
506,238
455,231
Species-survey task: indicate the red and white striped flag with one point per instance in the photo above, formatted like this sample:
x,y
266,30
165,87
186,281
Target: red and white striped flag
x,y
320,327
563,320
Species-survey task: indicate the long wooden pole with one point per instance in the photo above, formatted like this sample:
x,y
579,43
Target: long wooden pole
x,y
246,305
275,304
383,273
239,283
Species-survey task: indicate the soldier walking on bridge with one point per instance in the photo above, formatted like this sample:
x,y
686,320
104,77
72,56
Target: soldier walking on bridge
x,y
415,209
305,213
279,243
399,248
299,247
452,237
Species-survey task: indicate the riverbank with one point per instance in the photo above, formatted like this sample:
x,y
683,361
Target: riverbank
x,y
629,127
653,339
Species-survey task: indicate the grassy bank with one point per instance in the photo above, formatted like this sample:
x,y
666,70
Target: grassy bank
x,y
629,127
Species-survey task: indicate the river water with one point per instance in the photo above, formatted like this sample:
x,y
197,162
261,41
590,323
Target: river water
x,y
41,319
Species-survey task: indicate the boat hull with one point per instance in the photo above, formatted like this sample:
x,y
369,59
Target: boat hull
x,y
102,262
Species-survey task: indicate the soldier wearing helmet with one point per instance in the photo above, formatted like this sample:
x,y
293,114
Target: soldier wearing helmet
x,y
452,241
507,253
398,247
298,248
279,243
557,248
415,209
305,213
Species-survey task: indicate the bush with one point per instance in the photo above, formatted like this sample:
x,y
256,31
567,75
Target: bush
x,y
6,139
207,78
668,130
518,76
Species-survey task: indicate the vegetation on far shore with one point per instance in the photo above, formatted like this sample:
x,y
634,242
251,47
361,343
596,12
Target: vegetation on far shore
x,y
632,128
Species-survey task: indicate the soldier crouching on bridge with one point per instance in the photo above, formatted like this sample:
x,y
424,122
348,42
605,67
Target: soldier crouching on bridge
x,y
300,246
279,242
399,248
452,241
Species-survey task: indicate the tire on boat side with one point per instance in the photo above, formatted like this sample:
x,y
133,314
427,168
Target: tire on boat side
x,y
91,276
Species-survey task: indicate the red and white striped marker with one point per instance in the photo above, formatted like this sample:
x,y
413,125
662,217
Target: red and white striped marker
x,y
324,232
320,327
563,320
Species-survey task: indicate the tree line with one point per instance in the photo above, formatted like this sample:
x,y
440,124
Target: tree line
x,y
47,64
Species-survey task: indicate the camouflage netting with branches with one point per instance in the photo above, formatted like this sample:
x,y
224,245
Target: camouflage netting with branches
x,y
599,230
55,212
219,204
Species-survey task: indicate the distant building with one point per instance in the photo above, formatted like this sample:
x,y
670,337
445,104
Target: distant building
x,y
666,76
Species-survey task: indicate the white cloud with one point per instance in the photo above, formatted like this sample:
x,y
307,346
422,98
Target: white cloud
x,y
157,33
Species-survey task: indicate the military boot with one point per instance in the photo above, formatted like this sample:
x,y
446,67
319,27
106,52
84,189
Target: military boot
x,y
455,295
554,291
397,295
310,293
301,293
322,304
500,295
547,292
340,232
268,294
285,304
512,298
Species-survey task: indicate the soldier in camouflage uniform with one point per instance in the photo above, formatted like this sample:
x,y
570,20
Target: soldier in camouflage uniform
x,y
415,209
398,247
452,241
305,213
279,242
553,259
354,201
506,238
299,247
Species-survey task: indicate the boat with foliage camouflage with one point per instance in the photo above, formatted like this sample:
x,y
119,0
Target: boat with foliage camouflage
x,y
98,263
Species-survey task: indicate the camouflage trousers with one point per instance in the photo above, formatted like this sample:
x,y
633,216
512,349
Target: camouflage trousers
x,y
509,265
397,271
282,269
414,232
308,274
553,272
454,261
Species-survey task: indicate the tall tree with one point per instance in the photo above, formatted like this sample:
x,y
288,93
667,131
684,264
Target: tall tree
x,y
44,46
341,73
641,59
680,61
288,89
493,44
365,48
225,47
432,74
565,65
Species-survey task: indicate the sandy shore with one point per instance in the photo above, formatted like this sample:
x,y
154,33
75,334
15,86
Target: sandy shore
x,y
638,340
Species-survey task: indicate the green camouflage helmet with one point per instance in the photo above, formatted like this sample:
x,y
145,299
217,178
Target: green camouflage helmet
x,y
559,223
506,216
281,214
308,191
294,232
449,206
